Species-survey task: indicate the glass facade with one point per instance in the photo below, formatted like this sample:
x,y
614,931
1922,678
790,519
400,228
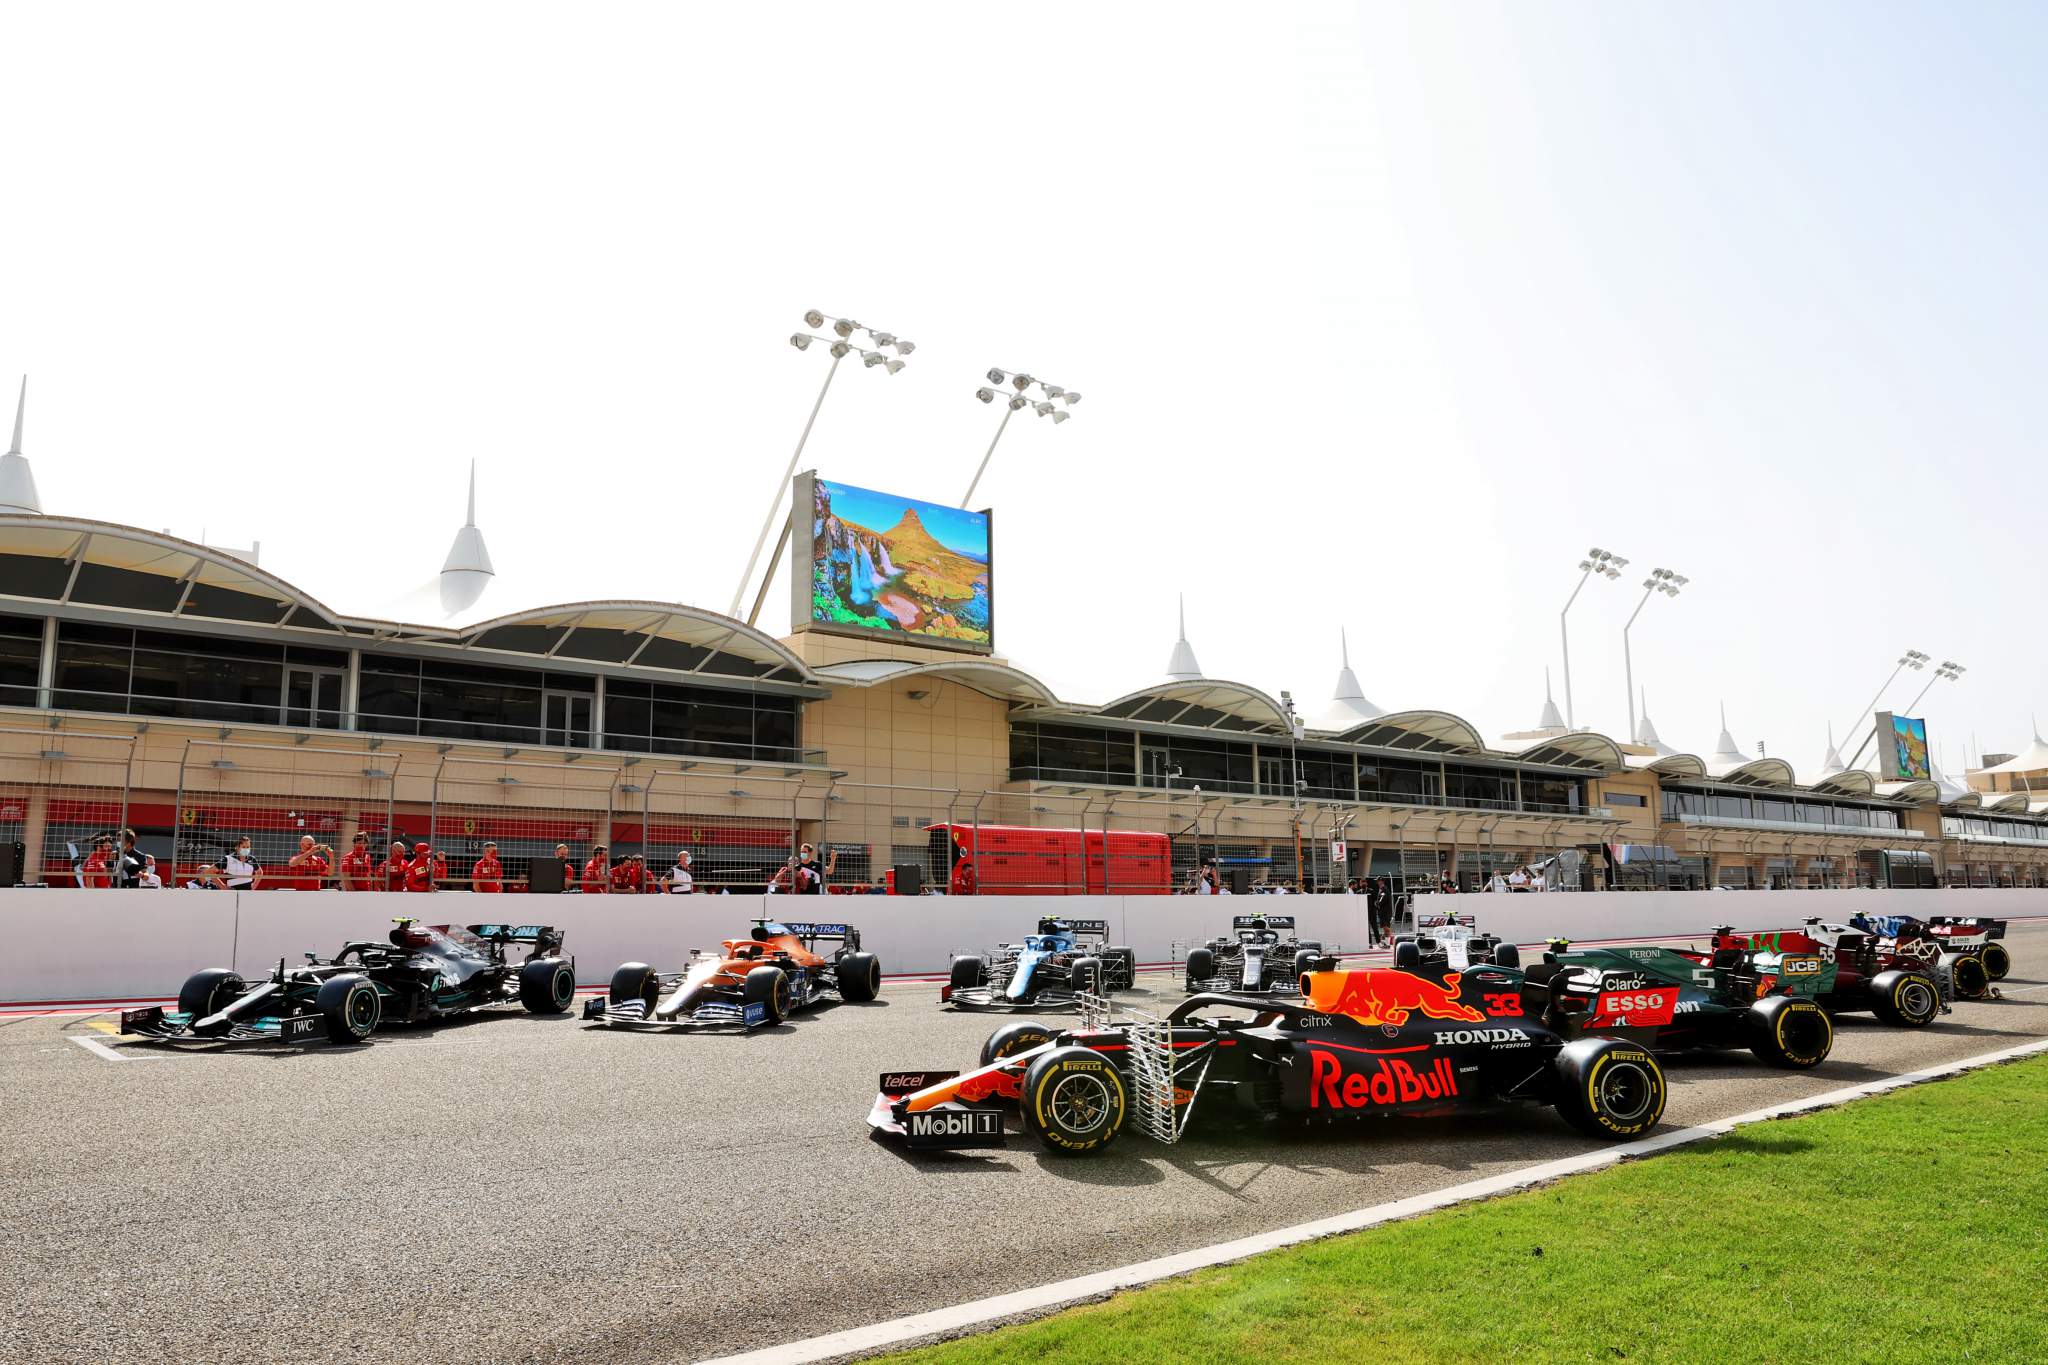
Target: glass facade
x,y
1995,827
186,677
21,652
657,718
1784,808
178,675
1110,757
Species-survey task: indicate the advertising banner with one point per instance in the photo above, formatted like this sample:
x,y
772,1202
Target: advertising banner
x,y
890,566
1902,749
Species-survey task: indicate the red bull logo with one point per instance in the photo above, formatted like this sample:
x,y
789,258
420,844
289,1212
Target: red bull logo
x,y
986,1084
1380,996
1392,1082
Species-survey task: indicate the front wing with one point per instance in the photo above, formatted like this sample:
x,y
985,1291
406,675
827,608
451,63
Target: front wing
x,y
156,1025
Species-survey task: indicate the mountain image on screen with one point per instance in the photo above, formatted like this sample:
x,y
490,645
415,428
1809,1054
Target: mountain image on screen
x,y
902,579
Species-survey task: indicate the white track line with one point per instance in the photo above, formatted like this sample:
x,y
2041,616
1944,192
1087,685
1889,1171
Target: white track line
x,y
954,1320
100,1049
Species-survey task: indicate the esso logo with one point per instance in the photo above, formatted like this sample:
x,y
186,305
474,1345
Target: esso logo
x,y
1632,1004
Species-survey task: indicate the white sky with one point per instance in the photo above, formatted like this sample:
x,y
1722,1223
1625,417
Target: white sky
x,y
1381,315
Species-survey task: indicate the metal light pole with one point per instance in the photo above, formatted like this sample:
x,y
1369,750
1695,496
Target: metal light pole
x,y
1660,580
1016,402
1608,566
1947,668
841,345
1912,659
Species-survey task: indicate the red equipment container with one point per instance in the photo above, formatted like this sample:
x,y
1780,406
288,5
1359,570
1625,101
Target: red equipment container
x,y
1020,860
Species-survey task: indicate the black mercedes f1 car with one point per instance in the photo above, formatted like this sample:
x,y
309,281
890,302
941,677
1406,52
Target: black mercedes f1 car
x,y
1261,955
1362,1044
423,972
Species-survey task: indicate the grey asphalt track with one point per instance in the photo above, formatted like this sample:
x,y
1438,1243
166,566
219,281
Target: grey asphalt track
x,y
534,1189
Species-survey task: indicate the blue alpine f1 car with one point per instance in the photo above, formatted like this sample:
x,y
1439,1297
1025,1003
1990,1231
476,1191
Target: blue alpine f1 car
x,y
1050,969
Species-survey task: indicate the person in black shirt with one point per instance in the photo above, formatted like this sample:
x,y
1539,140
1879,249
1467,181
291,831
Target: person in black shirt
x,y
128,862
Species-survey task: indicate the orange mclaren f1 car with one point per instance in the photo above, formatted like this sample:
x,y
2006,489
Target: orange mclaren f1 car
x,y
750,982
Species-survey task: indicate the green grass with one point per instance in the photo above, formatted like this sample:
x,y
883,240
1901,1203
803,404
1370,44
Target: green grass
x,y
1912,1227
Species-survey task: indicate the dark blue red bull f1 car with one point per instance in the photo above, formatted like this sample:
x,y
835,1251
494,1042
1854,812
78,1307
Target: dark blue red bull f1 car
x,y
1361,1044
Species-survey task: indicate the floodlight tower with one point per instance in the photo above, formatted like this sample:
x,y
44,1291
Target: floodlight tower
x,y
1660,580
1912,659
1947,668
840,344
1597,561
1045,406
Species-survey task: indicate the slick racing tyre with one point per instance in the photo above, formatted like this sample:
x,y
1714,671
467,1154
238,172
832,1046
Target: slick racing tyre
x,y
635,981
1506,955
1201,968
1905,999
1965,975
769,988
968,972
208,992
860,977
547,985
1407,955
1997,961
1609,1089
1073,1100
350,1008
1086,974
1123,969
1304,962
1011,1039
1789,1032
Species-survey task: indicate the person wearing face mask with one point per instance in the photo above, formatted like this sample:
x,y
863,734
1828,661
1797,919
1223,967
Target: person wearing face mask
x,y
238,869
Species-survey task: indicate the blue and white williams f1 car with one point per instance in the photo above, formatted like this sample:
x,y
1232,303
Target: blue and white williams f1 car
x,y
1050,969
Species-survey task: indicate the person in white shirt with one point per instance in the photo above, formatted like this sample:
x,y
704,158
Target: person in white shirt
x,y
149,878
678,882
1499,883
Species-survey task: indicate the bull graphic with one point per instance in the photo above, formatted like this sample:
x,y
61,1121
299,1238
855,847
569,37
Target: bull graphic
x,y
982,1085
1382,996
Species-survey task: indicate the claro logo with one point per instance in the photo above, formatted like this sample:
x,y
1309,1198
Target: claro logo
x,y
1391,1082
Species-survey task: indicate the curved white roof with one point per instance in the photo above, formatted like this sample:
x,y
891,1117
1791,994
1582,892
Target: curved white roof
x,y
1429,731
2034,760
982,675
1205,703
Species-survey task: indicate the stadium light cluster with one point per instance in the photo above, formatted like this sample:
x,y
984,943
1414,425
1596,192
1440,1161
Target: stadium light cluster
x,y
842,344
1014,388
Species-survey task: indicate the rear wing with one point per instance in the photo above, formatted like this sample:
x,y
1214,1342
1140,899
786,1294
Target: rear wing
x,y
1086,928
1262,921
813,933
545,938
510,933
1445,921
1991,928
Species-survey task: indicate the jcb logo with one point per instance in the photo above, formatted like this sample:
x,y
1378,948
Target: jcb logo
x,y
1800,966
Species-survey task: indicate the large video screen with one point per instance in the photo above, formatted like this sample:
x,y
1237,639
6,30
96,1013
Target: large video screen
x,y
886,565
1903,748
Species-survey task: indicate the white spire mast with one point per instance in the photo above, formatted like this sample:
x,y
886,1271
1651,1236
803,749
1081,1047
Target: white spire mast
x,y
17,481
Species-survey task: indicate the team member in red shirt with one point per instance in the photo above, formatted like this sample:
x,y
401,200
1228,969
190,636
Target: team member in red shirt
x,y
307,865
963,877
425,865
489,873
95,873
356,867
597,873
394,867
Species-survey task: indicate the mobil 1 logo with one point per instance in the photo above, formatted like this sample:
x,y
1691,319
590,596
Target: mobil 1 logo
x,y
954,1128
